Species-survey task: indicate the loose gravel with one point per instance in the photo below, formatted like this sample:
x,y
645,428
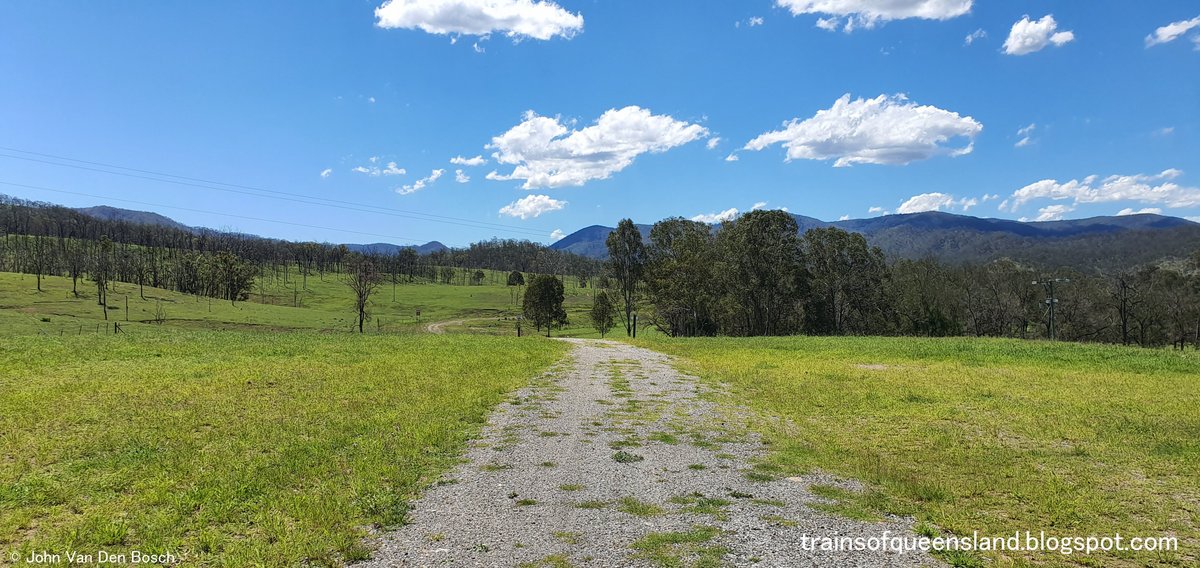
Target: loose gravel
x,y
614,459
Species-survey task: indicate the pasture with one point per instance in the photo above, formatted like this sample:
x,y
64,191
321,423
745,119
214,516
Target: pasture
x,y
979,434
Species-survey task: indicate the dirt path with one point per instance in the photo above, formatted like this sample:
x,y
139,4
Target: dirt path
x,y
599,460
440,326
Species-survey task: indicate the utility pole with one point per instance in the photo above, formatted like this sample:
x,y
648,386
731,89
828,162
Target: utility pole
x,y
1051,300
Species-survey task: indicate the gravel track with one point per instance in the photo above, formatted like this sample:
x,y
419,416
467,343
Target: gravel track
x,y
542,485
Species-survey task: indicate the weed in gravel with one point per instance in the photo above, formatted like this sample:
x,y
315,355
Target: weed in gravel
x,y
697,467
626,457
548,464
637,508
568,537
552,561
759,476
664,438
740,495
495,467
701,505
571,487
437,537
526,502
778,520
668,549
624,444
769,502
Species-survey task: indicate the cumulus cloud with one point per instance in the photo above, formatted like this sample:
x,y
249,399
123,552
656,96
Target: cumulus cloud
x,y
545,153
461,177
389,169
514,18
732,158
975,36
461,161
421,183
1026,135
557,235
1028,36
1142,211
710,218
325,173
755,21
877,210
934,201
883,130
759,205
1173,31
532,206
1051,213
1153,189
854,14
844,218
712,142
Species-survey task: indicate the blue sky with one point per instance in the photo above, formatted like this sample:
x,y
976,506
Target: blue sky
x,y
270,95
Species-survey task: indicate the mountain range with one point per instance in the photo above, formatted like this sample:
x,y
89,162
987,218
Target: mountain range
x,y
1096,242
107,213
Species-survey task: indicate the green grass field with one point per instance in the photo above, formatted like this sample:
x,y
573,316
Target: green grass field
x,y
325,305
237,448
980,434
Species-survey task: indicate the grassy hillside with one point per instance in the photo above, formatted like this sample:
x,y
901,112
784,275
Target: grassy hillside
x,y
978,434
236,448
324,304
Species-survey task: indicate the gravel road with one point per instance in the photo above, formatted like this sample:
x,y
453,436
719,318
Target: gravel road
x,y
613,459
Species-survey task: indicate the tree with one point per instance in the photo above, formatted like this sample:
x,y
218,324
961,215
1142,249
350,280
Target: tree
x,y
515,278
100,272
362,279
626,261
846,278
544,303
680,284
762,273
602,313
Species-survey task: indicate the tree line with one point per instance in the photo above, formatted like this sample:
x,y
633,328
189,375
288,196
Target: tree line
x,y
758,275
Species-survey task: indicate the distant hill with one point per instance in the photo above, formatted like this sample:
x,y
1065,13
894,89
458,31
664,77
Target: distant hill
x,y
1093,243
391,249
107,213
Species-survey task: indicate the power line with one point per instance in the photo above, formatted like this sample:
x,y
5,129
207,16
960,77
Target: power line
x,y
305,225
269,193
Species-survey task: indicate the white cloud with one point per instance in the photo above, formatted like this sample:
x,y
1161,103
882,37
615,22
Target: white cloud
x,y
1172,31
1052,212
514,18
759,205
391,169
461,161
1028,36
557,235
545,153
1156,189
732,158
1165,131
990,197
710,218
755,21
712,142
532,206
884,130
844,218
934,201
1194,219
371,100
1142,211
926,202
868,13
1026,135
461,177
421,183
325,173
975,36
877,209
